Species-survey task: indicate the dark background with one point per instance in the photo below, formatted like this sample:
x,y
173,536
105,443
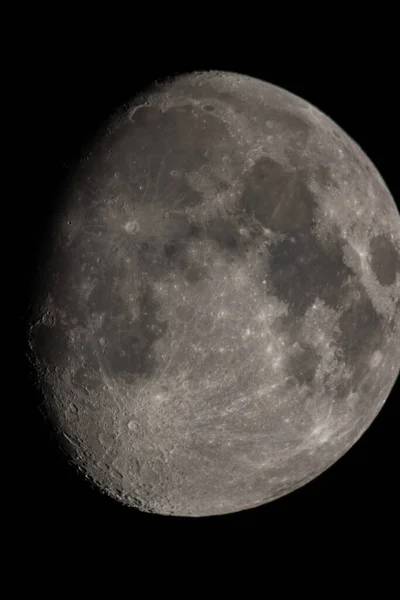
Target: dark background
x,y
70,82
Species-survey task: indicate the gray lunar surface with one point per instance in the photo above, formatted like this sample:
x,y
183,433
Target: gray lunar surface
x,y
217,310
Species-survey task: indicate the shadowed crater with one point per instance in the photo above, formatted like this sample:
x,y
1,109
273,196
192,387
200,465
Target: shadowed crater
x,y
50,345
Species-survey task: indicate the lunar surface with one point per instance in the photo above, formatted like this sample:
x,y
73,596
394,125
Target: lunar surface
x,y
216,318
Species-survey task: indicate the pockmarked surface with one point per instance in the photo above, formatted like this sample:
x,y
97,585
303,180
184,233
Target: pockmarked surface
x,y
216,318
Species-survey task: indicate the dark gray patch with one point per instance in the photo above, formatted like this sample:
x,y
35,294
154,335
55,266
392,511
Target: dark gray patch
x,y
190,197
174,256
281,120
296,128
182,162
323,176
125,355
385,261
221,185
141,154
289,326
278,199
51,345
207,92
196,273
172,250
301,269
333,241
143,116
362,333
343,388
226,234
302,364
105,298
130,349
195,231
152,261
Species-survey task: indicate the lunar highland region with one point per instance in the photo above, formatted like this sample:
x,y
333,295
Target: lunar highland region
x,y
217,309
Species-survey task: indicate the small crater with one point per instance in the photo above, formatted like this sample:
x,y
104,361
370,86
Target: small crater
x,y
183,313
106,439
376,359
209,107
48,319
133,426
131,227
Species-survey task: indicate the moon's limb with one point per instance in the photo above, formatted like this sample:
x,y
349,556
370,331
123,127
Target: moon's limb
x,y
219,321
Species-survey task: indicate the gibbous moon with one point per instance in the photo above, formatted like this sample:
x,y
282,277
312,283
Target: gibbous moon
x,y
217,316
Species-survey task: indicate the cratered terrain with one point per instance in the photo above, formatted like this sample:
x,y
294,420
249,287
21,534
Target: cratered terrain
x,y
216,315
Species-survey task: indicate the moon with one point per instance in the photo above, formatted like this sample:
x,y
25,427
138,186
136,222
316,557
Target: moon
x,y
216,316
